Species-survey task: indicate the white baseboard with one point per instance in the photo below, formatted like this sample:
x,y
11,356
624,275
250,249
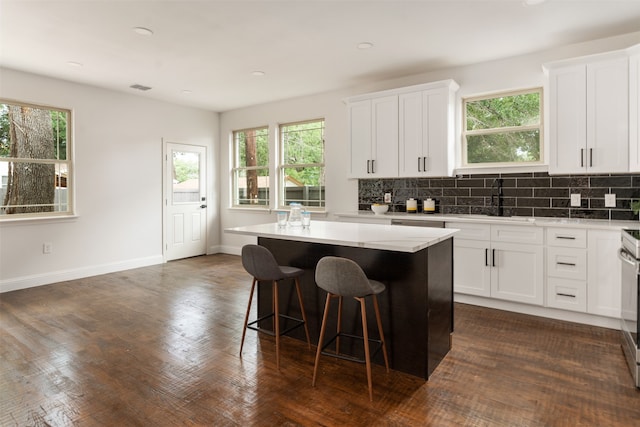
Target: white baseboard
x,y
24,282
231,250
551,313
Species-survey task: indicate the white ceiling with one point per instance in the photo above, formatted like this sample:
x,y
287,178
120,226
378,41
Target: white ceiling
x,y
210,48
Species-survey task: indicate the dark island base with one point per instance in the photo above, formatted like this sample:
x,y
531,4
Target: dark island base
x,y
416,308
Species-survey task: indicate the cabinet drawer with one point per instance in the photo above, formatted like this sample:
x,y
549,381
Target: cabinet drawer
x,y
567,294
567,237
517,234
470,230
567,263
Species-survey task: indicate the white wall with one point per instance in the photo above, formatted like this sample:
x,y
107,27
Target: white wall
x,y
342,194
118,158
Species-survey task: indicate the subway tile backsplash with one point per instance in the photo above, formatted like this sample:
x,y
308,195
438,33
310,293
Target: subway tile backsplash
x,y
524,194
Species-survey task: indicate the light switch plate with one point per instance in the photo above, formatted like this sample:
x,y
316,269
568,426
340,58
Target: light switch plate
x,y
609,200
575,200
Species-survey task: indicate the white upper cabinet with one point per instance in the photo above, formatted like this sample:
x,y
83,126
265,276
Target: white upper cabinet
x,y
426,140
588,106
634,110
373,126
403,132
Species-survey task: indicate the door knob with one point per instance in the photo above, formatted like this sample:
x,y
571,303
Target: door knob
x,y
203,206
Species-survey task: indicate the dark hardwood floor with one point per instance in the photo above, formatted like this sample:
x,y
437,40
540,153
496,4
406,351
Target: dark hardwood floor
x,y
158,346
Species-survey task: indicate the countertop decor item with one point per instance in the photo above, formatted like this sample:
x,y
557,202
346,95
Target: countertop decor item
x,y
412,206
379,209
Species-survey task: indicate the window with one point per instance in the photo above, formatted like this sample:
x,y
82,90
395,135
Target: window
x,y
35,161
302,163
250,173
503,129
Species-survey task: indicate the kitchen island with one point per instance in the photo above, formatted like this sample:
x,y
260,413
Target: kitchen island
x,y
415,264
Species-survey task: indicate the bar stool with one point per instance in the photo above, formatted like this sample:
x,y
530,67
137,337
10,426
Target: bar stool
x,y
262,265
342,277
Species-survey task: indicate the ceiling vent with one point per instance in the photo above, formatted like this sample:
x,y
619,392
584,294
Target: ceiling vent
x,y
140,87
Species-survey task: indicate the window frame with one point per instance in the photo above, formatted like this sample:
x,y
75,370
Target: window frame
x,y
508,129
282,166
235,160
58,164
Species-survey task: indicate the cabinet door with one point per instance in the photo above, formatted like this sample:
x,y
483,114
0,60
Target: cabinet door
x,y
634,113
425,134
567,121
471,271
435,139
384,145
411,129
608,116
360,127
517,272
604,273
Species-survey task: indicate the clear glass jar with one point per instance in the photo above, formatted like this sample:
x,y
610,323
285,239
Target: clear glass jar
x,y
295,215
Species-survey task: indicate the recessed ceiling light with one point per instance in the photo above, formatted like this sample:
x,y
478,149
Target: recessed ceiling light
x,y
74,64
258,73
532,2
140,87
365,45
142,31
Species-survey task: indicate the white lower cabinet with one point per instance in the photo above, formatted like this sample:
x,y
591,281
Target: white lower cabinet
x,y
567,269
583,271
499,261
604,273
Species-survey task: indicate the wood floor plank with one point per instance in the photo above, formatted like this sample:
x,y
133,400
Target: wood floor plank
x,y
159,346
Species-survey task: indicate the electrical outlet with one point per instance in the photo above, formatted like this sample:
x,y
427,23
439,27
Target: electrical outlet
x,y
387,197
609,200
47,247
575,200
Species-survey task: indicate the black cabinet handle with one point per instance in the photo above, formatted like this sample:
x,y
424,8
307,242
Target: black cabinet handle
x,y
373,166
368,165
493,257
566,237
582,157
424,164
566,263
419,165
565,295
486,257
590,157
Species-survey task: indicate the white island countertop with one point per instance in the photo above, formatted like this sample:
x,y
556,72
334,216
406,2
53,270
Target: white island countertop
x,y
372,236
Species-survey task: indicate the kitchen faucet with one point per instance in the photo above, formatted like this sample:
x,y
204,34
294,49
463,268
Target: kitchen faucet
x,y
497,183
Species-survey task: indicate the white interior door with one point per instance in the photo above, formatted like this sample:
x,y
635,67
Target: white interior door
x,y
185,203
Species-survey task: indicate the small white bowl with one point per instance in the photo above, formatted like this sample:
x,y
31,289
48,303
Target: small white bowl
x,y
379,209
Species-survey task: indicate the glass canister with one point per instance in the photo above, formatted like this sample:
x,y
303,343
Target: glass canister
x,y
295,214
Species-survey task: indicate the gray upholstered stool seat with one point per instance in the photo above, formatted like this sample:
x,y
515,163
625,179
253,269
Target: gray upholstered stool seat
x,y
342,277
261,264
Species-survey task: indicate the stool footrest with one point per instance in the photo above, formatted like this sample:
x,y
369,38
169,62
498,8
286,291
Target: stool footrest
x,y
346,356
299,322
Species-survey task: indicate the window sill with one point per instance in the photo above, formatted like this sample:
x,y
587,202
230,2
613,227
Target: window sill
x,y
9,220
500,169
266,210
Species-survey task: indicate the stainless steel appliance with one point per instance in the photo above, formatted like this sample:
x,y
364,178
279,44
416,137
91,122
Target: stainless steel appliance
x,y
629,254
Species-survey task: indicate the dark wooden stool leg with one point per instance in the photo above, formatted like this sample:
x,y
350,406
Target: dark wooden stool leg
x,y
276,318
246,316
304,317
384,344
320,340
367,357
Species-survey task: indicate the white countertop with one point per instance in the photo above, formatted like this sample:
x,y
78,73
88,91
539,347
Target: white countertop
x,y
372,236
513,220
